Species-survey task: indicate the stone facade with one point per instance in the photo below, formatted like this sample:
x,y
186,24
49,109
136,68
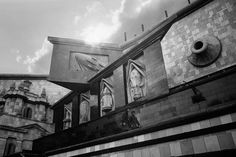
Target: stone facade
x,y
54,92
217,19
164,105
25,112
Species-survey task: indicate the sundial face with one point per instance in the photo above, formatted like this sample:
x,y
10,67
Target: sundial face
x,y
87,62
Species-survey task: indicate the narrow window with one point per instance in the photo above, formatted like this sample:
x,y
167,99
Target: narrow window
x,y
10,146
67,121
27,113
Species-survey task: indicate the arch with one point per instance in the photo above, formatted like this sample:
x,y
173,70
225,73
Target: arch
x,y
10,146
10,149
84,109
67,121
107,98
136,81
27,112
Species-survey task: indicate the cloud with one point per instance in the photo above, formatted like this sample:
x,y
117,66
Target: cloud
x,y
15,51
146,12
18,58
100,30
32,62
142,5
98,24
77,18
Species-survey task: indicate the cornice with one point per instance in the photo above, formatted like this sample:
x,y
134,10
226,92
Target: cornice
x,y
13,129
76,42
23,76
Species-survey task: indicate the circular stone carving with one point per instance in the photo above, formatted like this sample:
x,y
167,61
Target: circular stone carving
x,y
205,51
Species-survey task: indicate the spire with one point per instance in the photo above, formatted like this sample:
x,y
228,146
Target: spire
x,y
27,84
13,86
43,94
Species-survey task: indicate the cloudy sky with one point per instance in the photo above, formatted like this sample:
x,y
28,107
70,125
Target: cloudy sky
x,y
26,24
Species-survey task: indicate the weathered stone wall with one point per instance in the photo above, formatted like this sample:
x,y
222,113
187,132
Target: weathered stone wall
x,y
53,91
118,85
207,143
220,92
23,139
156,75
216,18
75,62
2,145
14,121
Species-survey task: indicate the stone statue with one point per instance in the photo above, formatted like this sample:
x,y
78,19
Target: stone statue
x,y
84,111
136,84
107,101
136,81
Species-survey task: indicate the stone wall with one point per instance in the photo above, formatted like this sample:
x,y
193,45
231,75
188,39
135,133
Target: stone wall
x,y
216,18
24,139
2,145
53,91
219,92
193,145
14,121
74,62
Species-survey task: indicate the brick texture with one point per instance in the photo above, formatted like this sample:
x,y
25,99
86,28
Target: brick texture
x,y
216,18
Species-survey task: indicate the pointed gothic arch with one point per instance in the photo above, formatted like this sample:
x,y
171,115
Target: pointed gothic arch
x,y
10,146
67,121
84,109
27,112
136,80
107,102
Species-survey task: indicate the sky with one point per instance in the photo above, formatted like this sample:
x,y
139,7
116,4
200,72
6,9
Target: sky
x,y
26,24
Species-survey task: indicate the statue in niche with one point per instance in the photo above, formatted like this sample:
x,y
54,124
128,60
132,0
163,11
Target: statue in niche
x,y
67,116
84,109
136,80
107,98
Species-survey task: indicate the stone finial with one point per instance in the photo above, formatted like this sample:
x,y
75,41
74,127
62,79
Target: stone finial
x,y
13,86
43,94
3,92
27,84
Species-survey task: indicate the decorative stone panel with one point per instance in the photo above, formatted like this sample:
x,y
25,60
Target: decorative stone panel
x,y
84,109
107,102
136,80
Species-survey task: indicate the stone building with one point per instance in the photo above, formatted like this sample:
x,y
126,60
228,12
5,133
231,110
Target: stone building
x,y
168,92
25,112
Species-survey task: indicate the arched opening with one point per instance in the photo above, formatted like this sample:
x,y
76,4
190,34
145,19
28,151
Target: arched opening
x,y
11,149
27,112
10,146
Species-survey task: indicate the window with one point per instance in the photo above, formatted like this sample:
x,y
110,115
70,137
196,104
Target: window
x,y
10,146
27,112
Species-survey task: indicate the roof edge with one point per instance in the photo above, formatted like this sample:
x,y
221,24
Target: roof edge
x,y
23,76
179,15
76,42
151,35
